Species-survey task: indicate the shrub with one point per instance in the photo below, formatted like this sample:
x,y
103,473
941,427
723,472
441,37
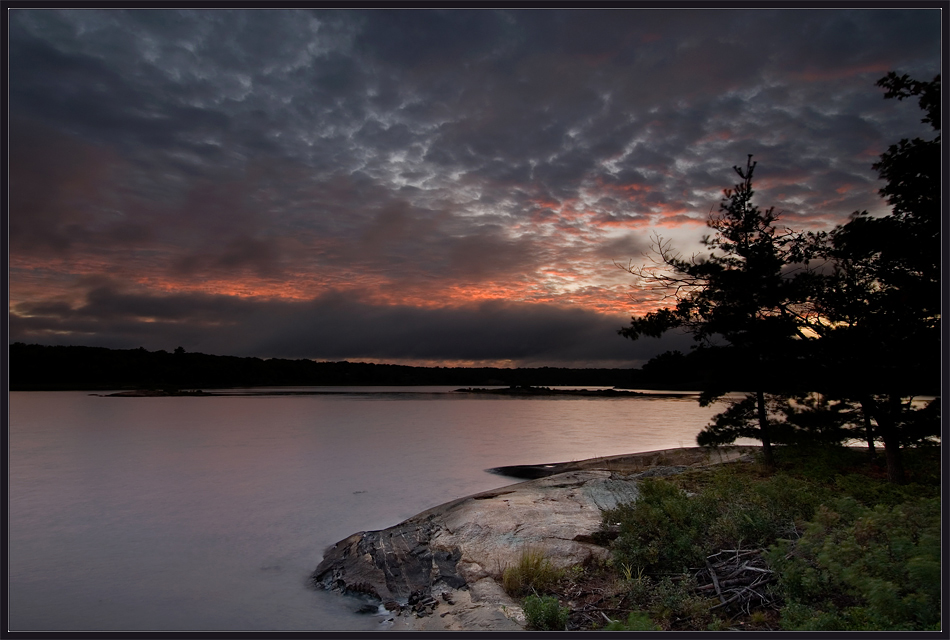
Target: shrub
x,y
545,613
673,603
534,572
666,530
636,621
850,550
819,463
860,568
871,493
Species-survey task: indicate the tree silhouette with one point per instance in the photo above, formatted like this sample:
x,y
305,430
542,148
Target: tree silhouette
x,y
864,332
747,292
880,304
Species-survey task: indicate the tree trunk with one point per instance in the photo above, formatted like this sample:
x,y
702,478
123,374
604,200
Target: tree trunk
x,y
887,425
866,409
764,429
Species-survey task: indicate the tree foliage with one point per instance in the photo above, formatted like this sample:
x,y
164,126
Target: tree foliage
x,y
880,304
747,292
833,333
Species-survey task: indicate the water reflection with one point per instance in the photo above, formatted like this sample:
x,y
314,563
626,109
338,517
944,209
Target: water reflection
x,y
185,513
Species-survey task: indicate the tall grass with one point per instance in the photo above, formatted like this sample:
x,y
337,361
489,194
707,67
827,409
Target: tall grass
x,y
533,573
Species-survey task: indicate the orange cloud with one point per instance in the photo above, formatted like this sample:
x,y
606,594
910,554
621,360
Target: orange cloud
x,y
674,215
633,187
637,222
678,220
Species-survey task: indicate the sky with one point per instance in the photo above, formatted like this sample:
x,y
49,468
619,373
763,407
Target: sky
x,y
427,187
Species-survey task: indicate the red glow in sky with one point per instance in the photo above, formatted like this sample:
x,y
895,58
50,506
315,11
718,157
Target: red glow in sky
x,y
258,187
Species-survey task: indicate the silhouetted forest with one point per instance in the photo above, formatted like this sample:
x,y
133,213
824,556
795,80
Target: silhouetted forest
x,y
35,367
38,367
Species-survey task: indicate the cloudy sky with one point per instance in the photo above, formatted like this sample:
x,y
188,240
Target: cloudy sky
x,y
419,187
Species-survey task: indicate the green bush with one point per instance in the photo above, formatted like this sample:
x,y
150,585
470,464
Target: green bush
x,y
860,568
850,550
820,464
872,493
666,530
534,572
545,613
673,603
636,621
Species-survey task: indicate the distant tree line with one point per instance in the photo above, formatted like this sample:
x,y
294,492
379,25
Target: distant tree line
x,y
832,334
39,367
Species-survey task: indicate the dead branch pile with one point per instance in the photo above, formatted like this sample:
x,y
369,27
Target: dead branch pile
x,y
589,604
739,578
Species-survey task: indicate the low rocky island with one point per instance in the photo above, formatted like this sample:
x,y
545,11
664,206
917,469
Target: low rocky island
x,y
513,390
154,393
441,569
528,390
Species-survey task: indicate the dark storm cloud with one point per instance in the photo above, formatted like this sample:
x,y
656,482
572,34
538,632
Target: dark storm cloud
x,y
60,193
337,326
424,158
417,37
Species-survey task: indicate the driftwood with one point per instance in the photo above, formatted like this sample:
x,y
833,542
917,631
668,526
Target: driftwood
x,y
739,578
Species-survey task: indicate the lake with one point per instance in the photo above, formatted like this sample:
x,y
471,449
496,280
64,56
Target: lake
x,y
209,513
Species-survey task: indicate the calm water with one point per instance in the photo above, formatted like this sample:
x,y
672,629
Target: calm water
x,y
210,513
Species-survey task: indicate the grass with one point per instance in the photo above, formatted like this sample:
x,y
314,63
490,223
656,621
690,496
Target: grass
x,y
533,573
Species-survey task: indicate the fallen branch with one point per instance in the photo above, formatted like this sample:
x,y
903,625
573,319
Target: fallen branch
x,y
715,582
738,577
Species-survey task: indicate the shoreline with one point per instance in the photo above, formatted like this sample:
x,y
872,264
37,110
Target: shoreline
x,y
441,569
519,391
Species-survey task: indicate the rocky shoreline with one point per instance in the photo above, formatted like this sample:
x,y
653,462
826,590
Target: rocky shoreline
x,y
440,569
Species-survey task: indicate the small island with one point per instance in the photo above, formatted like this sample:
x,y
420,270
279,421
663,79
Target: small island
x,y
528,390
154,393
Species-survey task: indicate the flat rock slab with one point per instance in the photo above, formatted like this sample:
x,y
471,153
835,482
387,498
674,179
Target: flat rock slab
x,y
484,606
463,541
444,563
630,463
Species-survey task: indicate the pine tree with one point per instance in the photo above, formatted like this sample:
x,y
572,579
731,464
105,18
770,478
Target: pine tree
x,y
747,292
880,305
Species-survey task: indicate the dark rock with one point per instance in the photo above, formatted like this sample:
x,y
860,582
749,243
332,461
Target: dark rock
x,y
365,588
528,471
398,564
446,563
601,538
660,472
368,608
